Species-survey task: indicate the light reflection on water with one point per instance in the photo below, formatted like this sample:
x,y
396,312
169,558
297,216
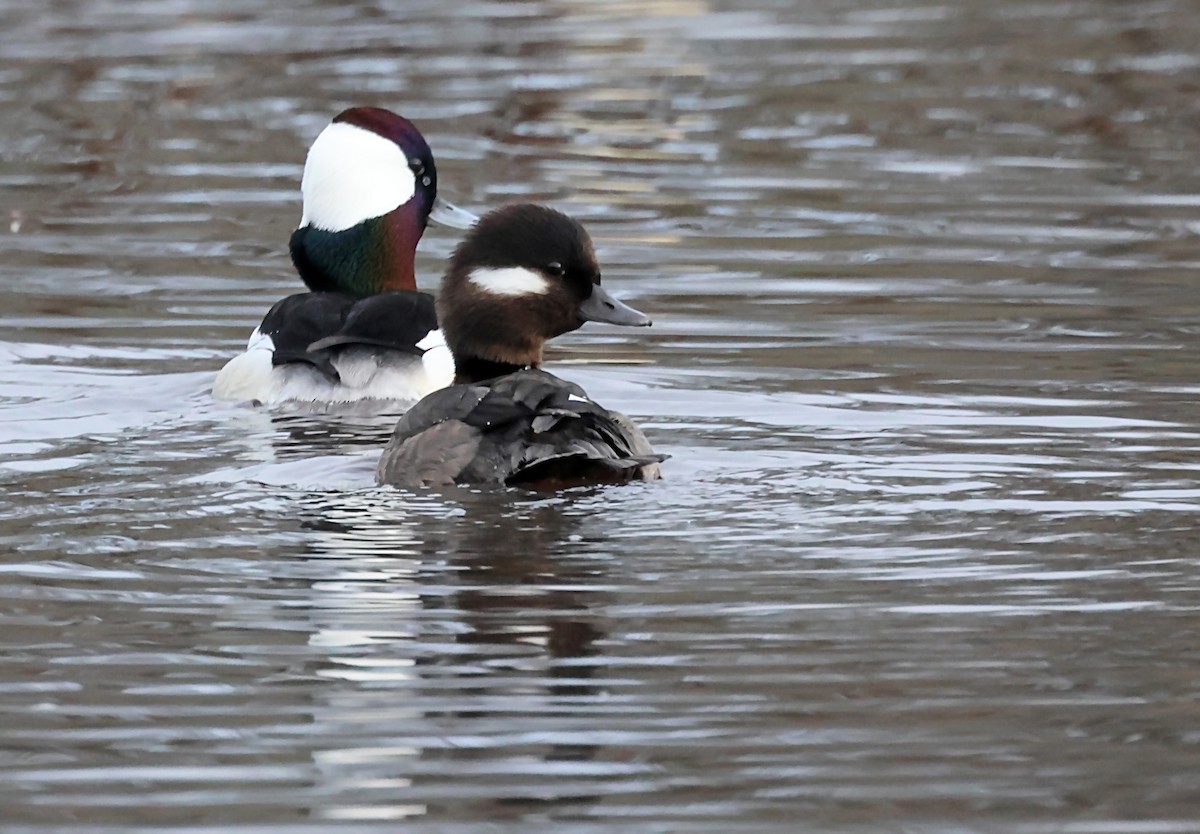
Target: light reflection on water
x,y
922,281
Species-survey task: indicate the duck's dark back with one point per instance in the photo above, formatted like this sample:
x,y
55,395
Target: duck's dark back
x,y
528,427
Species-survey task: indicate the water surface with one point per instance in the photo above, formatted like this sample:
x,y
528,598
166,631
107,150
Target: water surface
x,y
923,280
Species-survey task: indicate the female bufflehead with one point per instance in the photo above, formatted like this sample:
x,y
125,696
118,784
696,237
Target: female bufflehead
x,y
523,275
364,332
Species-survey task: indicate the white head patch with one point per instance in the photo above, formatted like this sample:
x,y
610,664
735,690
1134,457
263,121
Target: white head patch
x,y
352,175
509,280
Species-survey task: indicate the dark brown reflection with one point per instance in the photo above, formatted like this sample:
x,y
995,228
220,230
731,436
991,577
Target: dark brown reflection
x,y
520,589
490,643
305,430
517,549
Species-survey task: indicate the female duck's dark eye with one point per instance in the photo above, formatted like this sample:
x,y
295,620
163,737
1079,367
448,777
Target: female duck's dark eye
x,y
555,269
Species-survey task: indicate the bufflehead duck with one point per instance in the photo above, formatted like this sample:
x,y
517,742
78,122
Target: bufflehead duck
x,y
363,332
523,275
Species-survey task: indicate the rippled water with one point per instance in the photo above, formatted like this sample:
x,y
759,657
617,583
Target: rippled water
x,y
924,282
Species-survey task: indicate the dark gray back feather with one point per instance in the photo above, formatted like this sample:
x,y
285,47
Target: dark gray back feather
x,y
524,427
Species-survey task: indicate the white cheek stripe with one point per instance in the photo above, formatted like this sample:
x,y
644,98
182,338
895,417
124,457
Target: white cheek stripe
x,y
509,280
352,175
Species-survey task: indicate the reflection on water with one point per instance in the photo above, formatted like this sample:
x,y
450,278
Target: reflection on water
x,y
486,640
922,281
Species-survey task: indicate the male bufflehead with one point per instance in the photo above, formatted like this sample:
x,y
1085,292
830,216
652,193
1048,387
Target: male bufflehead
x,y
522,275
363,332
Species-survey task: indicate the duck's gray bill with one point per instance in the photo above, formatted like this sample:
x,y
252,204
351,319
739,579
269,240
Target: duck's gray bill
x,y
448,214
601,306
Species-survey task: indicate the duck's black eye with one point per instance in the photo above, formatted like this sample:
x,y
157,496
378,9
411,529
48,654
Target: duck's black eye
x,y
555,269
418,169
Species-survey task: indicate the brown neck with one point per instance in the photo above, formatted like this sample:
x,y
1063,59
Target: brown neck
x,y
402,229
476,359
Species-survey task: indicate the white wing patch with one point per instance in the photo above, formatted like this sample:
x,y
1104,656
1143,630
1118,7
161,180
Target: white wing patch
x,y
352,175
433,338
510,280
575,399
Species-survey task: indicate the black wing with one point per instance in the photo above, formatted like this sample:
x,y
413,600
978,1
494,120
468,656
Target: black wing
x,y
295,322
397,320
310,327
526,427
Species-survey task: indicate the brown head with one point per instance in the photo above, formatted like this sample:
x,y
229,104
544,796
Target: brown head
x,y
524,274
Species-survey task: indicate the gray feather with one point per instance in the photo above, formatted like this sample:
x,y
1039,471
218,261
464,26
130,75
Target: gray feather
x,y
525,427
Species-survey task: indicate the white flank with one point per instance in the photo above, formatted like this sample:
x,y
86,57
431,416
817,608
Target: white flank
x,y
352,175
437,360
510,280
260,341
247,376
366,374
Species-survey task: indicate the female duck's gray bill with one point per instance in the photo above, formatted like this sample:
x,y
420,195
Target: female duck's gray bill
x,y
448,214
600,306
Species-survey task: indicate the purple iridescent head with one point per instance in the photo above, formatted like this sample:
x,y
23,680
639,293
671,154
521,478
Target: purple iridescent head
x,y
369,188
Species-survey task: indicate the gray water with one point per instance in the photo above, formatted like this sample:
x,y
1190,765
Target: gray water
x,y
925,559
